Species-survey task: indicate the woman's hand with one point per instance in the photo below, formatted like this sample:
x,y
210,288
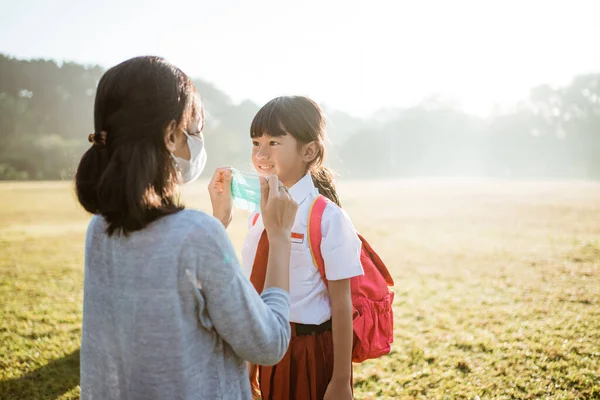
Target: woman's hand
x,y
278,209
219,189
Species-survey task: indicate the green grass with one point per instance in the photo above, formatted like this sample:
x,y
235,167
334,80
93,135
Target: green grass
x,y
497,288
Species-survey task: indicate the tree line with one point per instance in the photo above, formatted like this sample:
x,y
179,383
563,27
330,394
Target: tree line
x,y
46,112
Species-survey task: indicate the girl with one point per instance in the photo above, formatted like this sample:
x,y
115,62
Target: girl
x,y
288,139
167,312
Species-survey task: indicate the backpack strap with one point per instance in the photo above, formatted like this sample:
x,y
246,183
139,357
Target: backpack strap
x,y
315,216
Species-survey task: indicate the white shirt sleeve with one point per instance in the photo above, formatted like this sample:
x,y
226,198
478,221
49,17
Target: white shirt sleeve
x,y
340,245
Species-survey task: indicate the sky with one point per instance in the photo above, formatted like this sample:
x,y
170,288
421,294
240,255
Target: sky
x,y
356,56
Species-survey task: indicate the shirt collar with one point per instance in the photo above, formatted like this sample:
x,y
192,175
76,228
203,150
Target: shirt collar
x,y
302,188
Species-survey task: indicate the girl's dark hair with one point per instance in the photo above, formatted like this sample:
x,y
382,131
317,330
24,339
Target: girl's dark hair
x,y
302,118
128,177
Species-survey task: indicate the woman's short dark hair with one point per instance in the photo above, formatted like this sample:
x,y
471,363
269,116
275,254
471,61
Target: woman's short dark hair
x,y
127,175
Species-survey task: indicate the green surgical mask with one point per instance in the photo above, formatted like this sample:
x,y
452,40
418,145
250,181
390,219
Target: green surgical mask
x,y
245,189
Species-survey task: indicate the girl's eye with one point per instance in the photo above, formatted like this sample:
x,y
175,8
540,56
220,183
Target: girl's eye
x,y
273,143
254,143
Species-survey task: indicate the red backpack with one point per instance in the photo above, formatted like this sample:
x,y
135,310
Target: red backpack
x,y
373,317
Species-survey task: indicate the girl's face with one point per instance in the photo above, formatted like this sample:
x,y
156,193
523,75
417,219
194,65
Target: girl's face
x,y
281,156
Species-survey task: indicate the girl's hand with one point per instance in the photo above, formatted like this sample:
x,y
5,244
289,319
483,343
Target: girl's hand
x,y
219,189
253,376
338,390
277,207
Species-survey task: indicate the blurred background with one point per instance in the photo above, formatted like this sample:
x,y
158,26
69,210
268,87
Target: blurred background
x,y
411,88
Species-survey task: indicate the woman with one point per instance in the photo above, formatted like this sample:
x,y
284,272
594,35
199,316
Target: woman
x,y
167,311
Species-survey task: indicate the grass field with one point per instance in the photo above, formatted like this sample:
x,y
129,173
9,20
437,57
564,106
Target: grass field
x,y
497,288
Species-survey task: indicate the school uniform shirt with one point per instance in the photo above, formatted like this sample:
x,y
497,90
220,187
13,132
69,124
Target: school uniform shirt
x,y
340,247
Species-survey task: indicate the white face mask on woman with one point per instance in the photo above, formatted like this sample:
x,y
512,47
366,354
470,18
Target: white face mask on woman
x,y
191,170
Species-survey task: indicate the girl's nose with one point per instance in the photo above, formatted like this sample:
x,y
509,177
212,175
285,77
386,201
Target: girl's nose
x,y
262,154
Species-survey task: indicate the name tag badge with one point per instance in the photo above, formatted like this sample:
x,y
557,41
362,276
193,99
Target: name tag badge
x,y
297,237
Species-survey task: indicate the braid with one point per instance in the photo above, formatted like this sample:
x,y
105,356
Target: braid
x,y
323,180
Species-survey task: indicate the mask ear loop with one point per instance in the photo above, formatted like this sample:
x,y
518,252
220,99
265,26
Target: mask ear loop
x,y
187,135
176,164
189,138
174,159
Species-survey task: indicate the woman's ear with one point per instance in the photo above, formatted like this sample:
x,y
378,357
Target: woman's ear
x,y
171,137
310,152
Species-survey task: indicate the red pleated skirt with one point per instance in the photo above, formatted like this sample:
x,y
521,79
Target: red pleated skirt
x,y
304,372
